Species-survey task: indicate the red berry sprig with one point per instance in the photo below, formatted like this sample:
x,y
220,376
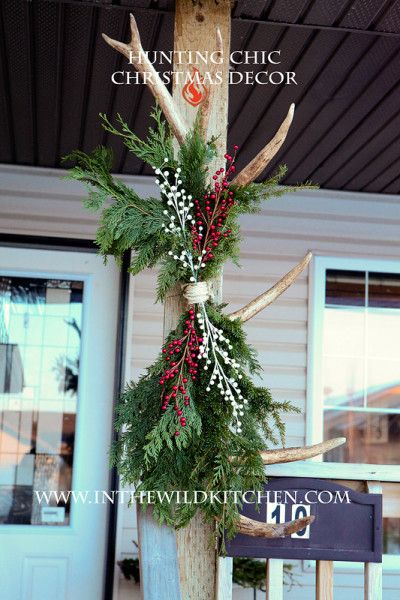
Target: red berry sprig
x,y
180,356
209,227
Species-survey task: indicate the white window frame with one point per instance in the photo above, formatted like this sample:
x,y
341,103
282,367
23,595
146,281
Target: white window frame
x,y
315,408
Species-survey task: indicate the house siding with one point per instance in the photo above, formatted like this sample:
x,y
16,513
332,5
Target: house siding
x,y
326,222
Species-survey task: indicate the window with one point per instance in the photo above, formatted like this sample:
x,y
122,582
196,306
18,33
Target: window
x,y
354,369
40,337
361,365
354,359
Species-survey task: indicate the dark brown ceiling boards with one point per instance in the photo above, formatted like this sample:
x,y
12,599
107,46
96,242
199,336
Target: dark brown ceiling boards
x,y
55,78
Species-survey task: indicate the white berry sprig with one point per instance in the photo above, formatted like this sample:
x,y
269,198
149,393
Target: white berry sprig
x,y
178,216
214,350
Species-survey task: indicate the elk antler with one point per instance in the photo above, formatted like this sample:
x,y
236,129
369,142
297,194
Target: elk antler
x,y
268,297
267,530
136,55
281,455
205,107
284,455
263,158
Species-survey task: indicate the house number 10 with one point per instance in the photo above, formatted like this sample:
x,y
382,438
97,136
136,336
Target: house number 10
x,y
276,513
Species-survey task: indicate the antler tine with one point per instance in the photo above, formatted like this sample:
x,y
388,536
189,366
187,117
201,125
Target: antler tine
x,y
254,528
267,530
136,55
284,455
263,158
205,107
268,297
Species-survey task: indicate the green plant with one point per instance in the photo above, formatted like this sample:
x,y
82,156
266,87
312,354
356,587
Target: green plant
x,y
195,421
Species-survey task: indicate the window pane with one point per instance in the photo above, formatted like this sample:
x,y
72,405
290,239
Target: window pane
x,y
383,349
346,288
40,331
344,331
371,437
343,381
391,536
384,290
383,377
383,333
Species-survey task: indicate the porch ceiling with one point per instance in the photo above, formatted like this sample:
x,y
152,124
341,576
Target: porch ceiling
x,y
55,79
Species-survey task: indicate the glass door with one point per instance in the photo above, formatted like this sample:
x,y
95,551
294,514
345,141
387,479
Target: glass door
x,y
57,333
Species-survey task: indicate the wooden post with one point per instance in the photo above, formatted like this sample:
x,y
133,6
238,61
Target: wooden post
x,y
196,24
373,571
274,579
191,563
324,583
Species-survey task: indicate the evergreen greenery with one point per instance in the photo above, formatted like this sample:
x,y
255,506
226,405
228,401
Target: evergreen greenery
x,y
251,573
206,453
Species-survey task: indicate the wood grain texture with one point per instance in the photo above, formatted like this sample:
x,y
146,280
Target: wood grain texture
x,y
196,26
158,559
274,579
324,580
373,581
197,560
192,559
224,578
373,571
195,29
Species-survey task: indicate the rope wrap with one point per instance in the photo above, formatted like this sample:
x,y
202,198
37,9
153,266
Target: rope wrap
x,y
196,292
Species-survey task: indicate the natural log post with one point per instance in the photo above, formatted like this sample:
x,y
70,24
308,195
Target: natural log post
x,y
324,580
199,574
196,25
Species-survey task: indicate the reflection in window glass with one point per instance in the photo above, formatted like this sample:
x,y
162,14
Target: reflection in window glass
x,y
371,438
345,288
40,336
391,536
361,365
384,290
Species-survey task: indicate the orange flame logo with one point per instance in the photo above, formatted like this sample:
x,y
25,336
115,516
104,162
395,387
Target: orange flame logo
x,y
195,91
